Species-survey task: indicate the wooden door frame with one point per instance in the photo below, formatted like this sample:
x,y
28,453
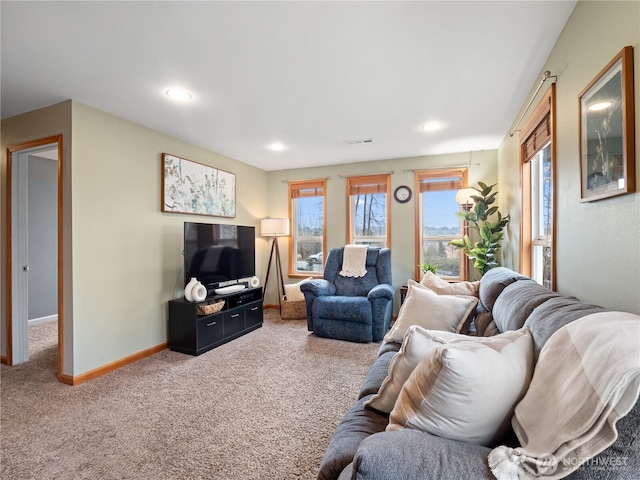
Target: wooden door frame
x,y
9,267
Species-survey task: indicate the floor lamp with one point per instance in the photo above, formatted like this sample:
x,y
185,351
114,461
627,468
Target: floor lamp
x,y
275,227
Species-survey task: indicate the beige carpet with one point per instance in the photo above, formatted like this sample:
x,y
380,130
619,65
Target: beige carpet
x,y
263,406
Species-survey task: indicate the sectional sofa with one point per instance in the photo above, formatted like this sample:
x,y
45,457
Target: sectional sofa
x,y
541,385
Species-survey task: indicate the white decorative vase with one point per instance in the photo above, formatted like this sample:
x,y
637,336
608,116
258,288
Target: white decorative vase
x,y
188,289
198,292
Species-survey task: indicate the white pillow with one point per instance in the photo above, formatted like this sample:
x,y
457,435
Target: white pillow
x,y
432,311
292,291
442,287
418,342
466,391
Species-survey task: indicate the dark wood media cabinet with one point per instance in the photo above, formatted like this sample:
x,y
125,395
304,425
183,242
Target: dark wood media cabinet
x,y
195,334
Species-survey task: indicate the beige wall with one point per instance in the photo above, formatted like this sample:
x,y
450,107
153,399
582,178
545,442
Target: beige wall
x,y
124,255
127,254
598,258
483,168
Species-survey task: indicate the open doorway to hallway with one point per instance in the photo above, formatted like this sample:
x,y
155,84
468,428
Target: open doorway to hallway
x,y
33,255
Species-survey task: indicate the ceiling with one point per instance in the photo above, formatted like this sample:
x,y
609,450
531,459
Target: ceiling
x,y
314,76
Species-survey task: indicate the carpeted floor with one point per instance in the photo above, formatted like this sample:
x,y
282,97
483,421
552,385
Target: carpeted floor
x,y
263,406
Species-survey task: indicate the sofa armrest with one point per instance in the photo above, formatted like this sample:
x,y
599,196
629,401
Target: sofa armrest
x,y
382,290
318,287
403,454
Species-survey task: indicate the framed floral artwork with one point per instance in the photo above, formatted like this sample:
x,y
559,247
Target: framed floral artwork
x,y
607,143
191,187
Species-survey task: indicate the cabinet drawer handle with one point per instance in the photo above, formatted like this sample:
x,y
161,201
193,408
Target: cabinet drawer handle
x,y
254,309
211,324
235,315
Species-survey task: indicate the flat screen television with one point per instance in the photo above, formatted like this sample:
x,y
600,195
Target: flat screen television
x,y
218,254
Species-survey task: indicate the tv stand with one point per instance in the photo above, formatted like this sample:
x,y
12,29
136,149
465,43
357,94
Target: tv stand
x,y
195,334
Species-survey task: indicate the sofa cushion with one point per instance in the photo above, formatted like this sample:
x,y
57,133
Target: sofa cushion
x,y
516,302
418,343
388,347
553,314
494,282
410,454
376,374
356,286
491,375
482,320
356,425
442,287
430,310
336,307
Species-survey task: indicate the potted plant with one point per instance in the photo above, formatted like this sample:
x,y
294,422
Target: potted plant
x,y
489,223
428,267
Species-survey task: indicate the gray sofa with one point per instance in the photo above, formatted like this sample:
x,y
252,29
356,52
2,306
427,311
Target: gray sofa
x,y
361,448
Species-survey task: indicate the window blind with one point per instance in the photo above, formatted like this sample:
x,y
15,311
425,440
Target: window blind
x,y
368,184
313,188
435,181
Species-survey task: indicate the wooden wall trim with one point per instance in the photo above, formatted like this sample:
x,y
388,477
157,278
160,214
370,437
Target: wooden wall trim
x,y
110,367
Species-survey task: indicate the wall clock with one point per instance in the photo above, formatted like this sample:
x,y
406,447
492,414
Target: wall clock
x,y
402,194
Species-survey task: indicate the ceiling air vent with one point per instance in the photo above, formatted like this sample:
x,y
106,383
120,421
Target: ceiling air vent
x,y
360,141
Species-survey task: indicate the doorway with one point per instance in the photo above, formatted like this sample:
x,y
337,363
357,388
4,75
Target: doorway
x,y
34,249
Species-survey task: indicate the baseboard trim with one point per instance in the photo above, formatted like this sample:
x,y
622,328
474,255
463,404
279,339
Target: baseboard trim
x,y
39,320
3,359
274,307
110,367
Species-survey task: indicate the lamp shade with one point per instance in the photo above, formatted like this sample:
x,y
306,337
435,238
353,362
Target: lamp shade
x,y
463,196
274,227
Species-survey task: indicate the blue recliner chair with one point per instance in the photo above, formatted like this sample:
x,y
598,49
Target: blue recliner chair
x,y
347,308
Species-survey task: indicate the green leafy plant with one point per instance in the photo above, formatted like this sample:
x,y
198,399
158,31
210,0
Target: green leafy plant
x,y
428,267
489,223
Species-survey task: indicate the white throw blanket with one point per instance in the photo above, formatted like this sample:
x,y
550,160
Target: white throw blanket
x,y
586,379
354,261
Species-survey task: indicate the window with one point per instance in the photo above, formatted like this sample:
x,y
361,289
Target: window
x,y
541,192
438,223
537,170
307,203
368,210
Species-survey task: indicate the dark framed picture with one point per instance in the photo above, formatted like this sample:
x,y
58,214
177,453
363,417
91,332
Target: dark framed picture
x,y
607,143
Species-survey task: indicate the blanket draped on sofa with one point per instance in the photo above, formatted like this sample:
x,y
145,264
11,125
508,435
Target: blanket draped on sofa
x,y
570,411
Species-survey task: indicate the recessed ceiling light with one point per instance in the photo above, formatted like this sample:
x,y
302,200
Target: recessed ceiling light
x,y
276,147
178,94
600,106
431,126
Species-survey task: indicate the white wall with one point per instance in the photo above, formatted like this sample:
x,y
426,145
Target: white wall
x,y
403,216
598,257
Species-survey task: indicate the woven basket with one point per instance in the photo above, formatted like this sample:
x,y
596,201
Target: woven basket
x,y
211,308
293,310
